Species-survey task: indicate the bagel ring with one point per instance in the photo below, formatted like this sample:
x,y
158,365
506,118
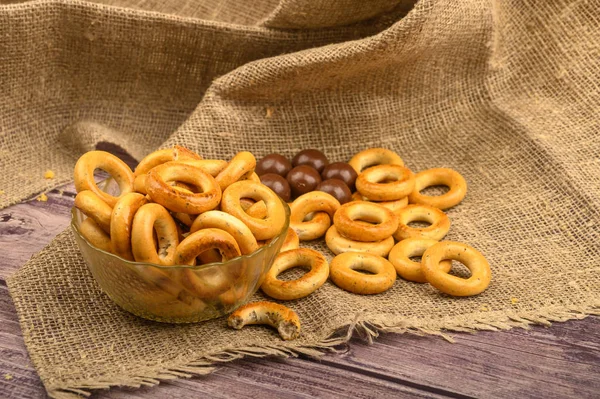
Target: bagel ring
x,y
314,201
234,295
117,169
158,157
180,152
229,223
203,240
121,222
251,175
301,287
374,156
284,319
315,224
211,166
343,273
291,241
407,269
139,184
147,219
402,182
339,244
178,200
184,218
393,206
206,283
186,188
453,285
95,208
346,221
435,177
256,209
440,223
94,234
241,164
263,229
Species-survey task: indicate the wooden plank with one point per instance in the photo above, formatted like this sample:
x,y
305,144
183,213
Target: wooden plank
x,y
561,361
27,227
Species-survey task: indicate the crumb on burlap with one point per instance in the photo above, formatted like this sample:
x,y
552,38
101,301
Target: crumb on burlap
x,y
8,377
485,307
514,300
269,112
1,192
42,198
49,174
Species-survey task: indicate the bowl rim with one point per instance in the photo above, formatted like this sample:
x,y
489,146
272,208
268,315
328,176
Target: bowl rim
x,y
280,236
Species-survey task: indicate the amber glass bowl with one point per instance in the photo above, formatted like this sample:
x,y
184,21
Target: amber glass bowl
x,y
177,294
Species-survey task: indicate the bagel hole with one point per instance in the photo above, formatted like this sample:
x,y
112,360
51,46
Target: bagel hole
x,y
415,259
387,180
111,187
309,217
209,256
100,174
370,220
369,165
187,186
359,269
459,270
163,247
366,222
294,273
248,205
155,240
419,224
434,191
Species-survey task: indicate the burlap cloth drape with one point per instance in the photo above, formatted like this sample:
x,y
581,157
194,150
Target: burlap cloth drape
x,y
506,92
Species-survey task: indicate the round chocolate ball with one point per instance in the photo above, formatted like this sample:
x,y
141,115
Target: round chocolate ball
x,y
303,179
278,184
273,163
312,157
342,171
337,188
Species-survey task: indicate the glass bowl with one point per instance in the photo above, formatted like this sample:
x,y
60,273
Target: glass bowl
x,y
177,294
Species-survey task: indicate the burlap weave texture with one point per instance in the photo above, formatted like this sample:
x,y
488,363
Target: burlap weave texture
x,y
505,92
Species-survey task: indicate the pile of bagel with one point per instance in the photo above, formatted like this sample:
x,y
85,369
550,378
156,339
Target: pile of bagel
x,y
180,209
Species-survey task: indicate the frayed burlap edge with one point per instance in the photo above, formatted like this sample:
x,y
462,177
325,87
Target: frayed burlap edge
x,y
365,325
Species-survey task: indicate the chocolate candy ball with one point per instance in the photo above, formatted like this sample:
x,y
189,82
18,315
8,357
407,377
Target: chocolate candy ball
x,y
337,188
313,158
342,171
303,179
278,184
273,163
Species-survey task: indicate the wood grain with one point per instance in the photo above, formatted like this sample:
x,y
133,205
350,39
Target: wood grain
x,y
561,361
27,227
241,379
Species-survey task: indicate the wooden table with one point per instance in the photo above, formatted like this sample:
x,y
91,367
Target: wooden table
x,y
560,361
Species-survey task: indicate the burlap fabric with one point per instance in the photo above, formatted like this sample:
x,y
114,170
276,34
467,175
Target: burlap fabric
x,y
506,92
